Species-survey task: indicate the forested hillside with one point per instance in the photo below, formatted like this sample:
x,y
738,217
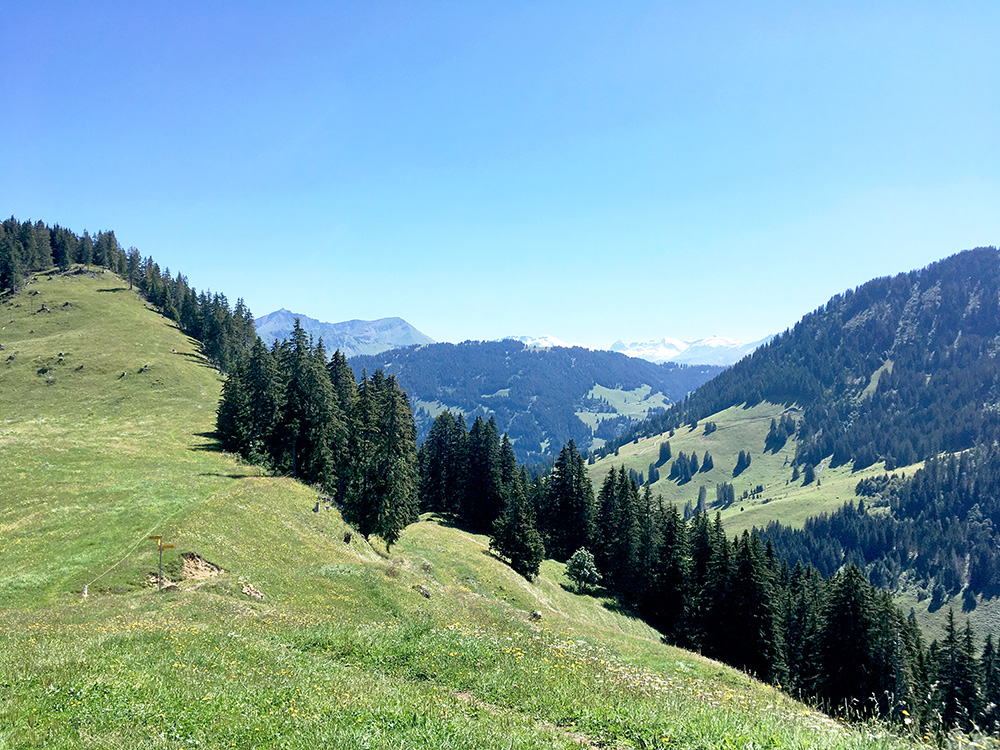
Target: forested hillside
x,y
896,370
541,398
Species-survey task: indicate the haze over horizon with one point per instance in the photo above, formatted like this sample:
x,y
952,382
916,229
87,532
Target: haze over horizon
x,y
587,172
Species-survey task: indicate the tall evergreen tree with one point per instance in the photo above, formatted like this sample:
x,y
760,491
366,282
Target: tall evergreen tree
x,y
310,423
567,517
442,465
482,498
850,674
515,533
382,495
672,578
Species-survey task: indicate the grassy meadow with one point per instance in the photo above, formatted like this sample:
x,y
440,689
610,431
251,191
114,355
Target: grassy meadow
x,y
277,630
742,428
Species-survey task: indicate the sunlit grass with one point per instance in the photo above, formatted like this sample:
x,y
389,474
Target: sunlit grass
x,y
344,649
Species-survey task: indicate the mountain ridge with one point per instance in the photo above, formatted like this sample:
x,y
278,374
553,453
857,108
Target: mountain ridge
x,y
351,337
542,397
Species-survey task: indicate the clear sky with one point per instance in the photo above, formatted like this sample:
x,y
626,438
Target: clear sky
x,y
589,170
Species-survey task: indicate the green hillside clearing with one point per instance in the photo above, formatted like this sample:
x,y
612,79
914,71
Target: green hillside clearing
x,y
278,630
742,428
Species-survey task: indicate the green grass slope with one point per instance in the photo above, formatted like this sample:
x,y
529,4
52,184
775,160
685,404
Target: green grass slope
x,y
741,428
278,631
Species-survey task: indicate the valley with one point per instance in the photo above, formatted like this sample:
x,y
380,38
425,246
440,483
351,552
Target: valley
x,y
101,461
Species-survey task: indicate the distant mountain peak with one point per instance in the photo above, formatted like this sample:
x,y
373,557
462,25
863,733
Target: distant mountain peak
x,y
712,350
351,337
540,342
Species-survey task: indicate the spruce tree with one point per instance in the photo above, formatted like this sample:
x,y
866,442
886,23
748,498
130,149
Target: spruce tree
x,y
672,578
567,514
382,496
442,465
482,485
310,424
515,535
849,673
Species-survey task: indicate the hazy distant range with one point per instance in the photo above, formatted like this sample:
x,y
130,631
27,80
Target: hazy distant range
x,y
355,337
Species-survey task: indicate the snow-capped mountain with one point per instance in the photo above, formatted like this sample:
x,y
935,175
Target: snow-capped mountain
x,y
714,350
540,342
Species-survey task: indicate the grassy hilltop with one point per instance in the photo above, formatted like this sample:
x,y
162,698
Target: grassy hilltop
x,y
278,630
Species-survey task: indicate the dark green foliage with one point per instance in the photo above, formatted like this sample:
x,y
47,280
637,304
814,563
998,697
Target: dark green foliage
x,y
292,411
808,474
442,462
533,394
311,423
725,495
989,666
683,468
566,516
618,531
382,495
671,577
941,528
707,463
710,427
664,455
742,463
515,533
249,406
779,433
652,474
849,674
482,490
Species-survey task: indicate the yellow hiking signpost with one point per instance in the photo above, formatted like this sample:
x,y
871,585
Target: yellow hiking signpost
x,y
162,546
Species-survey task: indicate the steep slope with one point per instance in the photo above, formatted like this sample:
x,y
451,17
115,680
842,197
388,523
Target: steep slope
x,y
281,631
880,379
897,370
351,337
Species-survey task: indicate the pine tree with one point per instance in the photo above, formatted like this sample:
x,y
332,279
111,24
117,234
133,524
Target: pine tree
x,y
802,628
849,674
515,534
482,486
672,578
310,424
989,687
617,539
382,496
753,622
442,466
567,517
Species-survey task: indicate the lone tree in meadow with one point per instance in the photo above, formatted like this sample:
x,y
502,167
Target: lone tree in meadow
x,y
582,570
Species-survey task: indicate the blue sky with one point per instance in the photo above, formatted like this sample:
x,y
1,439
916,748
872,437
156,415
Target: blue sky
x,y
592,171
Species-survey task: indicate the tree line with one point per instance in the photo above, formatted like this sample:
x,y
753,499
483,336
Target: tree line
x,y
834,640
291,409
31,247
936,531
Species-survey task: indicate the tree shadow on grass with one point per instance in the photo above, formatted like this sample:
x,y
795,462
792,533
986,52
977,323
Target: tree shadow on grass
x,y
114,289
211,446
